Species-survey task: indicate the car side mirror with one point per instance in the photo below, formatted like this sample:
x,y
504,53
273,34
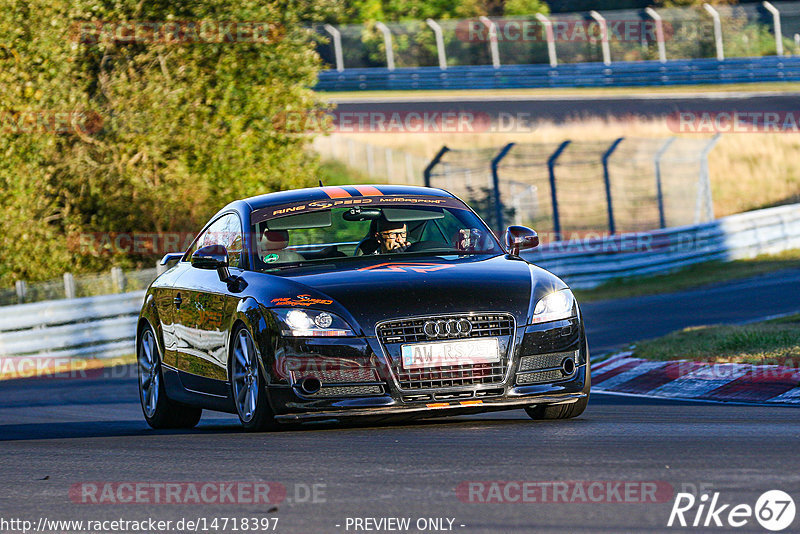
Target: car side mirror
x,y
520,238
212,257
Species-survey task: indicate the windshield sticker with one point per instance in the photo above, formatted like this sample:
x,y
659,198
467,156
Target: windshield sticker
x,y
300,300
406,267
273,212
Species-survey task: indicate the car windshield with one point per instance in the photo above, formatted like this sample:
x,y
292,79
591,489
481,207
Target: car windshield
x,y
340,232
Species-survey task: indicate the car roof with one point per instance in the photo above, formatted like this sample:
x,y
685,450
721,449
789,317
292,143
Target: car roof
x,y
344,191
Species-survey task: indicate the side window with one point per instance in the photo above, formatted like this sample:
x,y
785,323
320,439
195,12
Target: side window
x,y
225,231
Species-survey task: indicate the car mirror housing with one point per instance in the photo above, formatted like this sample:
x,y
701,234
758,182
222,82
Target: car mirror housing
x,y
520,238
212,257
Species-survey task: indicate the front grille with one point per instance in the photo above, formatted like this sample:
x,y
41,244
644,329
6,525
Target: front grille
x,y
348,391
545,361
451,375
541,376
411,331
341,374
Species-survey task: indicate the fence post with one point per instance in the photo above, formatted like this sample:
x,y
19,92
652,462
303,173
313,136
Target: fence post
x,y
118,279
551,169
601,21
717,31
337,46
370,161
551,40
69,285
22,290
492,27
776,22
498,203
704,183
433,163
409,169
662,50
389,162
437,31
387,44
662,220
351,153
607,178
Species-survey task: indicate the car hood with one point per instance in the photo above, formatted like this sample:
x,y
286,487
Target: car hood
x,y
372,290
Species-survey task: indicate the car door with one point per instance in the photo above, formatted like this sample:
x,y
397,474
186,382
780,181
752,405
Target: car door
x,y
205,305
164,298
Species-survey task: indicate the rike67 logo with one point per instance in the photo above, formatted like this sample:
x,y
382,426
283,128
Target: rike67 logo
x,y
774,510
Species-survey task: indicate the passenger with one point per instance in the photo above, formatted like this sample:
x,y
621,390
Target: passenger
x,y
391,237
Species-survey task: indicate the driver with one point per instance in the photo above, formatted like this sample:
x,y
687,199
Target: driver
x,y
391,236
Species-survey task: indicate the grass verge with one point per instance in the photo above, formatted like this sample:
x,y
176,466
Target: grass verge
x,y
780,87
694,276
768,342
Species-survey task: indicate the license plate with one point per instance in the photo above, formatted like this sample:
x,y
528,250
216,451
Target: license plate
x,y
442,353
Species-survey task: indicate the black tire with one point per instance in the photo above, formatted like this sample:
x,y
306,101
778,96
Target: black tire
x,y
160,411
563,411
255,416
557,411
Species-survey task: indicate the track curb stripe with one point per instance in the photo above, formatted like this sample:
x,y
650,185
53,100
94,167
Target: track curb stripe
x,y
723,382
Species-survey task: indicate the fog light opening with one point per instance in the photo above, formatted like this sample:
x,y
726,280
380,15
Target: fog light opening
x,y
310,385
568,366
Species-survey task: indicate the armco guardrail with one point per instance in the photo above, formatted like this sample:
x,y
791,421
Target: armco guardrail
x,y
91,327
590,262
102,327
673,72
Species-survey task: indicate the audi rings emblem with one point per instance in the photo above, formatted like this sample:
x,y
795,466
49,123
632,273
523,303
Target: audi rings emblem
x,y
447,328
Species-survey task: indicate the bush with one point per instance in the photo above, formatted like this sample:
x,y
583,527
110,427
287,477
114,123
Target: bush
x,y
159,135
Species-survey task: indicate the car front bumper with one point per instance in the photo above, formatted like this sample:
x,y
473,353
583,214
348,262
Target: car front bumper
x,y
371,363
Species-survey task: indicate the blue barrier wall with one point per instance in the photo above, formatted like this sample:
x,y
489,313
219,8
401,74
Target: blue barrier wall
x,y
635,73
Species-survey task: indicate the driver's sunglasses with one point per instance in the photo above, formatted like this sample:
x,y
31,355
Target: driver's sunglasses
x,y
393,235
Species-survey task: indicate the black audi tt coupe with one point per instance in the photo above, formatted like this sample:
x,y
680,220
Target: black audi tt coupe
x,y
333,303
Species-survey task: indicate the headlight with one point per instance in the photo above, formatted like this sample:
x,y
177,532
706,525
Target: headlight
x,y
554,306
311,323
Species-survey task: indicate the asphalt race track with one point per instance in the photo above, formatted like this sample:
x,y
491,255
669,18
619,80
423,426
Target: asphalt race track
x,y
562,108
58,433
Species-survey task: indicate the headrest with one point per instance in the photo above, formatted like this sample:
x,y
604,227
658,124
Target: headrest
x,y
274,240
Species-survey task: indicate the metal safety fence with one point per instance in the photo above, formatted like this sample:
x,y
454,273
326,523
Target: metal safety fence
x,y
587,263
663,34
573,188
72,286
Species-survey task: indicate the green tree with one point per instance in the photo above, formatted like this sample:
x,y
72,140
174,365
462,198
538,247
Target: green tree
x,y
175,127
